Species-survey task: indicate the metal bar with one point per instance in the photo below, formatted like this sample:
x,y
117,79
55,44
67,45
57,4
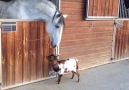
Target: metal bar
x,y
59,4
58,47
15,20
0,59
87,8
9,87
92,18
118,9
113,43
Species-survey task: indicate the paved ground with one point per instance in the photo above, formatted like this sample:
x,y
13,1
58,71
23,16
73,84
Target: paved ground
x,y
113,76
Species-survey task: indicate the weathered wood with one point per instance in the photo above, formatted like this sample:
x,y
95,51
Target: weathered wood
x,y
90,40
46,50
32,49
40,50
24,53
4,59
26,60
0,57
121,42
10,59
103,7
18,53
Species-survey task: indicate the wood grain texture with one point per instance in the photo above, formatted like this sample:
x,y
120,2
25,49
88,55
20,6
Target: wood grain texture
x,y
4,59
89,41
103,8
26,45
18,49
122,41
24,53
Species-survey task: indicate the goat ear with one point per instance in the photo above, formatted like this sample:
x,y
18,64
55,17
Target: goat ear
x,y
65,16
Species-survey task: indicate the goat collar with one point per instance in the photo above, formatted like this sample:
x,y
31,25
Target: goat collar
x,y
56,69
53,65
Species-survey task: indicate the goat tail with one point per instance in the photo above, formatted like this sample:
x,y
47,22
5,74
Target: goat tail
x,y
77,64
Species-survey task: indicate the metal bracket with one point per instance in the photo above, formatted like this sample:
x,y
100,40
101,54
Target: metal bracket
x,y
52,74
117,24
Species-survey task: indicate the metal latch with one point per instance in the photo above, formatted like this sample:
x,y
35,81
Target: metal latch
x,y
117,24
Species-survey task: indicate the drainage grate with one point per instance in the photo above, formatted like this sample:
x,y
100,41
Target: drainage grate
x,y
8,26
124,9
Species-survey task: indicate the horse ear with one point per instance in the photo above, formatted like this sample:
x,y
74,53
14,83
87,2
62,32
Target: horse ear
x,y
65,15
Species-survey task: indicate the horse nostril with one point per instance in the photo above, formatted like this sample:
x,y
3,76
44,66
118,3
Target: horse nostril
x,y
54,46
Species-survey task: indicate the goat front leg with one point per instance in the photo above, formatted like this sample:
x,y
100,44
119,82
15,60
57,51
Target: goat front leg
x,y
59,78
72,75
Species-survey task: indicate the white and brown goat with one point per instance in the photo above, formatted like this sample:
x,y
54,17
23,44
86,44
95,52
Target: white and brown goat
x,y
61,66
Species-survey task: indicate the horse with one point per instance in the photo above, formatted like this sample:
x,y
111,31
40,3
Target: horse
x,y
39,10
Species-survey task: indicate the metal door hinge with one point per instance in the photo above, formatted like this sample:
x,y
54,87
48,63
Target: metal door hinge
x,y
117,24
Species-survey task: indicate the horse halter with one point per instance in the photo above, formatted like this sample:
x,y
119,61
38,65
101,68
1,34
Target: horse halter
x,y
55,14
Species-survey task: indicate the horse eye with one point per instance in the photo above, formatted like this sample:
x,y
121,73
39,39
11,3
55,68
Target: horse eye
x,y
56,26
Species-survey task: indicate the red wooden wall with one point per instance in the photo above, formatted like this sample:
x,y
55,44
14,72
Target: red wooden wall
x,y
103,8
89,41
122,41
24,53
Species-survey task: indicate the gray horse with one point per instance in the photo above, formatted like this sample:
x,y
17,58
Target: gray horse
x,y
35,9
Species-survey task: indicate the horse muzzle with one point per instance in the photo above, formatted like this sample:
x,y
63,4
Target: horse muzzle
x,y
53,45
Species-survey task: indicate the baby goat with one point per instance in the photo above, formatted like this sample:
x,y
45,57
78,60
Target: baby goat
x,y
61,66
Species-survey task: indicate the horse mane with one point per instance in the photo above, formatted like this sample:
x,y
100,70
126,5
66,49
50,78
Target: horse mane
x,y
6,0
61,20
51,5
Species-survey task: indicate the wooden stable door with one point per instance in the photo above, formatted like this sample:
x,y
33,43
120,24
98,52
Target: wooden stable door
x,y
122,41
24,53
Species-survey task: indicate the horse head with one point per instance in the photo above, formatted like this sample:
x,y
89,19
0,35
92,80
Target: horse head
x,y
55,29
38,9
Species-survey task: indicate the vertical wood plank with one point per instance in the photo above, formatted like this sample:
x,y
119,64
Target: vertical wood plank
x,y
95,8
116,45
4,59
18,53
0,56
33,45
40,49
26,60
127,39
91,3
99,7
107,2
110,7
46,53
115,8
103,8
10,58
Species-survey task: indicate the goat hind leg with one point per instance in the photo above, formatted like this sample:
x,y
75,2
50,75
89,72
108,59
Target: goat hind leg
x,y
77,73
72,75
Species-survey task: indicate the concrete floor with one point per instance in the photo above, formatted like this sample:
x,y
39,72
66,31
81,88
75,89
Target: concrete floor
x,y
113,76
